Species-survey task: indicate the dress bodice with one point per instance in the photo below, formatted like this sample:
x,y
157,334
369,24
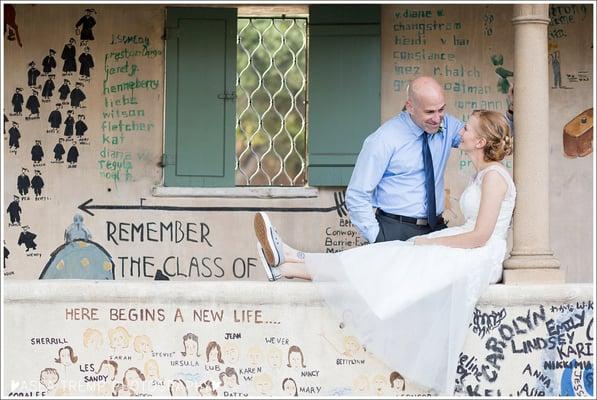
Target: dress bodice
x,y
470,201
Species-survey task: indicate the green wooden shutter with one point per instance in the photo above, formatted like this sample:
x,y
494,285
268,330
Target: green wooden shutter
x,y
344,88
200,110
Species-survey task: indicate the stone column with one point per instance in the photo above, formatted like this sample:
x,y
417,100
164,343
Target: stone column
x,y
531,260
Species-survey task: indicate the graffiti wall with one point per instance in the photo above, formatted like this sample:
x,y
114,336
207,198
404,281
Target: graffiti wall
x,y
82,160
239,341
83,134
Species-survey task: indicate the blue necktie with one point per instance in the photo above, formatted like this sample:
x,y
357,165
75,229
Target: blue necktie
x,y
429,182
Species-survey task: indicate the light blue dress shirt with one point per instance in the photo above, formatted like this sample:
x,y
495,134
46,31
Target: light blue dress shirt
x,y
389,171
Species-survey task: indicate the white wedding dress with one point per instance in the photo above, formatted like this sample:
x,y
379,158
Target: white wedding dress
x,y
411,305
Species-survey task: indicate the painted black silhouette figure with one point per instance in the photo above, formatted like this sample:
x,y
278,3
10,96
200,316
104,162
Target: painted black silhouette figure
x,y
49,62
23,182
86,61
80,126
14,211
37,153
33,105
64,90
48,89
17,101
59,150
37,183
77,95
27,238
13,136
32,74
85,24
55,118
69,55
69,123
6,254
73,154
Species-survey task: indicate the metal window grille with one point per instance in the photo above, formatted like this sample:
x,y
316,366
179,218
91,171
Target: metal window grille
x,y
271,103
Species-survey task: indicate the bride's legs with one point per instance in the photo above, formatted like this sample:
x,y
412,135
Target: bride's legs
x,y
294,265
295,270
290,262
292,255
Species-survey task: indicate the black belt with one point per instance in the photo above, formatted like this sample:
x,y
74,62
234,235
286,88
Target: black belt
x,y
410,220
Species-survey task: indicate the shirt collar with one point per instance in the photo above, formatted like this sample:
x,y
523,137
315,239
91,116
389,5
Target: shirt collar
x,y
417,130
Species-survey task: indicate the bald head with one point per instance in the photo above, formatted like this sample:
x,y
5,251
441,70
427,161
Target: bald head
x,y
424,88
426,103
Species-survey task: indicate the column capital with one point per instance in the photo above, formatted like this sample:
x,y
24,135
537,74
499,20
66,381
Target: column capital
x,y
530,14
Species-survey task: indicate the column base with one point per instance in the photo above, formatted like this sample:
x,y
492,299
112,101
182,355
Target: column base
x,y
531,276
531,261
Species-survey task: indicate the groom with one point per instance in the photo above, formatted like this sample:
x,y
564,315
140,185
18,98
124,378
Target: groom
x,y
400,169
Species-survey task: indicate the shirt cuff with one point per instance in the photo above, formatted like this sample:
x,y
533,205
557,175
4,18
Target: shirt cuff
x,y
373,234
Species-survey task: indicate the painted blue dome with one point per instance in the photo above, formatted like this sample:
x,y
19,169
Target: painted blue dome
x,y
79,259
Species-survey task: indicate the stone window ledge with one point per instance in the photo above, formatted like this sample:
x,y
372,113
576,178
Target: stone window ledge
x,y
260,192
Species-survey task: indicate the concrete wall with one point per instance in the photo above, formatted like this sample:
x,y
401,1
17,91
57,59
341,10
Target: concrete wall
x,y
117,166
523,341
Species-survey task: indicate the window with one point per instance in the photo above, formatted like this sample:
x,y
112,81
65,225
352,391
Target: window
x,y
271,105
214,96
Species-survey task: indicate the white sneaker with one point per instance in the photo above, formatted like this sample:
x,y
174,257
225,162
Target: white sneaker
x,y
272,273
273,247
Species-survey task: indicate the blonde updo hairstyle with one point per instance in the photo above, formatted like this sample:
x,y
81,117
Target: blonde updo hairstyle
x,y
494,127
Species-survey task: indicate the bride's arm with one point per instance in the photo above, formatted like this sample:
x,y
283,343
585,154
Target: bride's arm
x,y
493,191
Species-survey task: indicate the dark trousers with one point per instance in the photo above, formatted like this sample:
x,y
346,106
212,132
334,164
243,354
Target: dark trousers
x,y
392,229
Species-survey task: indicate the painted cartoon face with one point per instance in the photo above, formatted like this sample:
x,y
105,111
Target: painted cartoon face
x,y
230,353
178,389
206,389
145,347
275,358
263,383
351,345
119,340
64,356
212,356
295,359
229,381
49,380
133,380
398,385
190,347
109,370
289,388
379,383
361,384
254,356
93,340
152,370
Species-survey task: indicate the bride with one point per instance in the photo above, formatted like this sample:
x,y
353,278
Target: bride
x,y
412,301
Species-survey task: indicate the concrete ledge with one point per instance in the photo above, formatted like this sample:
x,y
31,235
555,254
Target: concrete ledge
x,y
249,292
533,340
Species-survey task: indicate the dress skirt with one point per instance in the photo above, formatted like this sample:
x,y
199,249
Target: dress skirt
x,y
411,306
